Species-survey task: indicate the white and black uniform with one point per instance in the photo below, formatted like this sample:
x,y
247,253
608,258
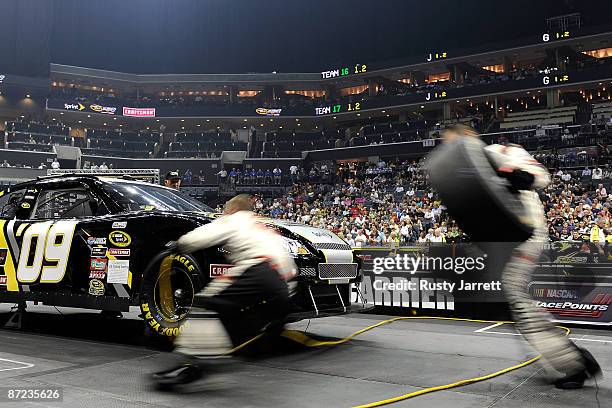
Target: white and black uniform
x,y
558,352
249,295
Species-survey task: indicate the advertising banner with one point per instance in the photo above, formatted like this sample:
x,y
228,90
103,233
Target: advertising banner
x,y
139,112
457,279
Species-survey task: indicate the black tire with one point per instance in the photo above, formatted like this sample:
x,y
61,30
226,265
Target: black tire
x,y
167,294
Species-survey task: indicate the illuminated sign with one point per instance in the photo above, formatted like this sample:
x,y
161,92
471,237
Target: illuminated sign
x,y
433,56
344,71
555,79
74,106
139,112
560,35
268,111
339,108
435,95
107,110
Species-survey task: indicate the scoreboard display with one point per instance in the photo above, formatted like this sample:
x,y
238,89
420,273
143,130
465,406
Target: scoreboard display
x,y
338,108
344,71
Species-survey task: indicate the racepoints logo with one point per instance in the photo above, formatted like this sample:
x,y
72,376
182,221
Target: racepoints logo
x,y
413,264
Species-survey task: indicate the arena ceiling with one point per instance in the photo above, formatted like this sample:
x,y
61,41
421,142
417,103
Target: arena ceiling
x,y
242,36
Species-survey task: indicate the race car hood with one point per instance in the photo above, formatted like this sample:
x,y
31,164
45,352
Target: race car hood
x,y
332,246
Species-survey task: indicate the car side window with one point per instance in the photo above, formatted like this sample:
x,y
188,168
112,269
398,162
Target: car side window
x,y
65,203
9,204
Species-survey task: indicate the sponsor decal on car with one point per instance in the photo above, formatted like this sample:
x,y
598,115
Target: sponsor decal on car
x,y
25,205
119,251
98,252
108,110
96,287
219,269
119,238
96,241
118,271
119,224
2,280
98,264
97,275
3,255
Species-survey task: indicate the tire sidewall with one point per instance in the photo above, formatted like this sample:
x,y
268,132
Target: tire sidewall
x,y
154,320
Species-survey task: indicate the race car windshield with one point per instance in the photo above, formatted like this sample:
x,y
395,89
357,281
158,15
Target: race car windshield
x,y
134,197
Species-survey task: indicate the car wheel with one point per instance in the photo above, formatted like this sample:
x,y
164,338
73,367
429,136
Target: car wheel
x,y
168,292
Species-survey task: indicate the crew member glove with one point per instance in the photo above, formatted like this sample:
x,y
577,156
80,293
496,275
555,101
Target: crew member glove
x,y
172,246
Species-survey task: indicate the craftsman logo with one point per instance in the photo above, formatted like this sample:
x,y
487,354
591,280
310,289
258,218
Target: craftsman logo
x,y
119,251
555,293
217,270
594,309
3,255
98,252
139,112
3,280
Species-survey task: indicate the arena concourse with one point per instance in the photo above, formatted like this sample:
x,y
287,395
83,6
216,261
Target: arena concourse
x,y
126,126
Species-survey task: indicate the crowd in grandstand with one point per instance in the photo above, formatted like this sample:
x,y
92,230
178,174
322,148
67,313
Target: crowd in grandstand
x,y
390,203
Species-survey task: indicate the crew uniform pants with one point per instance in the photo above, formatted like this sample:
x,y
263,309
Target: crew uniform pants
x,y
242,309
558,352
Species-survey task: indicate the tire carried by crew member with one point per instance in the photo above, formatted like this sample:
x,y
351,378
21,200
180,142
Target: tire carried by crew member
x,y
524,176
239,305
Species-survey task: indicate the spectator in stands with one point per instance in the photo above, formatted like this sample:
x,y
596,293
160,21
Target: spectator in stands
x,y
232,176
103,166
173,180
597,175
42,166
268,176
188,177
260,176
277,175
5,163
55,164
293,171
222,176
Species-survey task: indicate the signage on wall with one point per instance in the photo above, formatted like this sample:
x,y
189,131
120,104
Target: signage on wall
x,y
139,112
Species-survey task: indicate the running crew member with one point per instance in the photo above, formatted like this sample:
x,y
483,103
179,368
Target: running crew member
x,y
246,299
526,174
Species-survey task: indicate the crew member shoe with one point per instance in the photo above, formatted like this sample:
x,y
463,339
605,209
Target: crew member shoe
x,y
576,380
183,374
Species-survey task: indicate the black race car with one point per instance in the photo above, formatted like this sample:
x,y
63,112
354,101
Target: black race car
x,y
92,242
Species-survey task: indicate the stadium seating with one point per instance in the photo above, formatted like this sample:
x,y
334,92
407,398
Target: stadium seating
x,y
121,144
202,145
539,117
33,136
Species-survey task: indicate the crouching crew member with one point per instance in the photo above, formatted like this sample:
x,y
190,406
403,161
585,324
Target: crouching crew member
x,y
239,305
560,354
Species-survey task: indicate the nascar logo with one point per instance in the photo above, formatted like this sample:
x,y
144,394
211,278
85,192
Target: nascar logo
x,y
555,293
